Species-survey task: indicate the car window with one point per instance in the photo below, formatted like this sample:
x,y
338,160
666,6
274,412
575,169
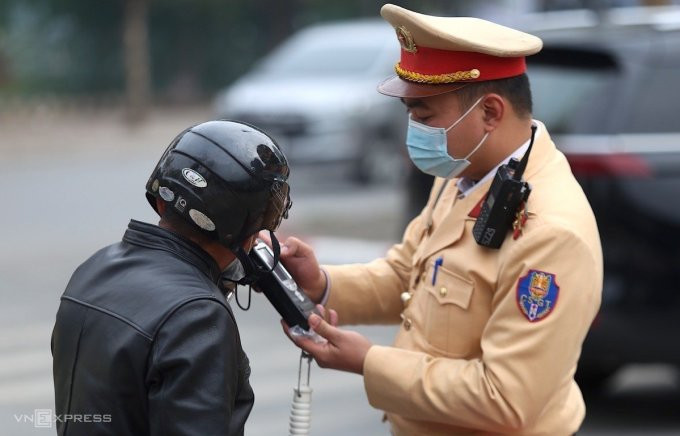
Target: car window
x,y
656,107
559,93
317,54
316,61
570,89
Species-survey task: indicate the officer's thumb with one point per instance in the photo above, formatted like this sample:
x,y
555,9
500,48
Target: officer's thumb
x,y
264,237
290,248
322,328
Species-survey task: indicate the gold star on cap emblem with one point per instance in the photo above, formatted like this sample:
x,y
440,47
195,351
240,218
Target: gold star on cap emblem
x,y
406,39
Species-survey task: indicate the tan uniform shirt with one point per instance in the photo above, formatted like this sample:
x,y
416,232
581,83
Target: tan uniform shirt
x,y
492,345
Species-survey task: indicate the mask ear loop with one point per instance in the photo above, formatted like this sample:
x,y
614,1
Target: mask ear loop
x,y
478,145
464,115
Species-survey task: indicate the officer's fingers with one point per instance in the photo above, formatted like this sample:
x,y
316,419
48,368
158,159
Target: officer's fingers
x,y
263,235
286,330
294,247
333,315
323,329
290,247
330,316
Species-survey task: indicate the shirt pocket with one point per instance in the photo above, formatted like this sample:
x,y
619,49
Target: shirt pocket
x,y
447,321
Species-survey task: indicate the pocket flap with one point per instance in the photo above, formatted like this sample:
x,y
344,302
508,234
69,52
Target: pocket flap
x,y
450,288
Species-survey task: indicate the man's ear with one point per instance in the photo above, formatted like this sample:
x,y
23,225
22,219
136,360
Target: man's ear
x,y
494,108
160,206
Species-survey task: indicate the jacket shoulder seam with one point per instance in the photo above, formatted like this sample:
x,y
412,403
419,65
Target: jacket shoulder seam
x,y
73,370
139,329
184,303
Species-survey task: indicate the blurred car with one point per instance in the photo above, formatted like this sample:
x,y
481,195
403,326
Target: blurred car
x,y
609,94
316,94
607,87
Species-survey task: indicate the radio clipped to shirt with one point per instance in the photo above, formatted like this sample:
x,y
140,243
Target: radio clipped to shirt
x,y
280,289
507,193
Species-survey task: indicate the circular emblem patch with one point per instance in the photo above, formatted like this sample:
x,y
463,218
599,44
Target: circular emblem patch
x,y
194,178
202,220
406,39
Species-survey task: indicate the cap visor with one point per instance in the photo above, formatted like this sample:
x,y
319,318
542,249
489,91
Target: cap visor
x,y
397,87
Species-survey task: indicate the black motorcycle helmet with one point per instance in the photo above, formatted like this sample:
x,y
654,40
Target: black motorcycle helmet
x,y
226,178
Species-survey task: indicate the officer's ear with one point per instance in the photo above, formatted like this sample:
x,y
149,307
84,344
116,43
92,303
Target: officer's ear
x,y
494,108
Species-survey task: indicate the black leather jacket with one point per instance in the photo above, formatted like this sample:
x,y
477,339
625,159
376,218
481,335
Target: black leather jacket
x,y
146,344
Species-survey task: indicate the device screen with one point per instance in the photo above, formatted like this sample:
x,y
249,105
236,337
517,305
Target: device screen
x,y
279,271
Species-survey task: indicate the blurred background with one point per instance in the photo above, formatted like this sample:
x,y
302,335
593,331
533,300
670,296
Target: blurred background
x,y
92,92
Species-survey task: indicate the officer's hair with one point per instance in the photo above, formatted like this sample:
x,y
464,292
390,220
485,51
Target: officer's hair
x,y
516,89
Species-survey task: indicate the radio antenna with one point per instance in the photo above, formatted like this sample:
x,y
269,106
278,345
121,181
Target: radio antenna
x,y
523,163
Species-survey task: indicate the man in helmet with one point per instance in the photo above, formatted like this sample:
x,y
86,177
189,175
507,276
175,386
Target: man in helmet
x,y
144,340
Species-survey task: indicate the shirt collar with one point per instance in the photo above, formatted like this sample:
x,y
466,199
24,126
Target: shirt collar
x,y
467,186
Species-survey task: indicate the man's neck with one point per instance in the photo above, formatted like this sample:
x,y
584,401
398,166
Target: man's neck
x,y
222,255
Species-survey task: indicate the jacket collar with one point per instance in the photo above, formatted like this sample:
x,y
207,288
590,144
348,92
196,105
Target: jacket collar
x,y
154,237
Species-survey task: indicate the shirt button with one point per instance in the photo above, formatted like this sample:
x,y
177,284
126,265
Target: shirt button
x,y
407,321
406,298
443,291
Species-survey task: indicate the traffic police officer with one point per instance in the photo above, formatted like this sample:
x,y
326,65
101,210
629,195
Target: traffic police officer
x,y
489,338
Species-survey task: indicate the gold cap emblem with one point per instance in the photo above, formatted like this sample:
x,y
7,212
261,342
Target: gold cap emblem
x,y
406,39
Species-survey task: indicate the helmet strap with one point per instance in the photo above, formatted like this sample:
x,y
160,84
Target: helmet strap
x,y
252,271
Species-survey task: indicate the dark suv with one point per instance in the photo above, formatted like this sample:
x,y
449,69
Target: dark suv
x,y
608,90
610,96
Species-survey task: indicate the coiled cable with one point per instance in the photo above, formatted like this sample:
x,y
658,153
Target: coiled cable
x,y
301,409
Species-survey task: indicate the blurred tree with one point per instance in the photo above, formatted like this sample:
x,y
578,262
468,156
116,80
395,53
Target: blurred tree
x,y
176,50
61,46
136,49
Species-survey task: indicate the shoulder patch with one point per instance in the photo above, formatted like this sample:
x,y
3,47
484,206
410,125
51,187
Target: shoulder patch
x,y
537,294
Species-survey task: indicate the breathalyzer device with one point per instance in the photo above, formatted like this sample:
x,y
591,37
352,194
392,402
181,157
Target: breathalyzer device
x,y
294,307
280,289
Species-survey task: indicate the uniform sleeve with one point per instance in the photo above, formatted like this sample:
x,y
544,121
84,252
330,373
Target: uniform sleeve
x,y
194,372
370,293
523,362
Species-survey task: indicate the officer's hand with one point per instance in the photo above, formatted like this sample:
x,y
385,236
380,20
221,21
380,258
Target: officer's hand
x,y
345,350
300,260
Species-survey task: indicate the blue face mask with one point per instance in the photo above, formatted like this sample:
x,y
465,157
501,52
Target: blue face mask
x,y
427,148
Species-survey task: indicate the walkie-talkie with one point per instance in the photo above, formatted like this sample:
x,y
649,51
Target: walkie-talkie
x,y
280,288
506,194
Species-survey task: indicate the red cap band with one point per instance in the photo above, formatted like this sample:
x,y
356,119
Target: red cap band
x,y
436,63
